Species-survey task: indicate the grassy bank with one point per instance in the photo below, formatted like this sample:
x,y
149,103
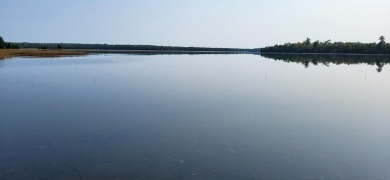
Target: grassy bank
x,y
9,53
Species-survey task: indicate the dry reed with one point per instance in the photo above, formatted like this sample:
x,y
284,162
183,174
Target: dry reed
x,y
9,53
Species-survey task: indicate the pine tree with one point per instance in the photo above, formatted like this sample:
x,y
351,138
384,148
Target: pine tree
x,y
2,43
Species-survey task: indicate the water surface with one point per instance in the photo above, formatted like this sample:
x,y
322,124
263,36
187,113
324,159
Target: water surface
x,y
192,117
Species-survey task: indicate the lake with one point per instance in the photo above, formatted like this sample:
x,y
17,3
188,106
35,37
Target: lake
x,y
118,116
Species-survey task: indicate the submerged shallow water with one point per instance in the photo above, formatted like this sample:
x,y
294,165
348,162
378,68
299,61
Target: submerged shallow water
x,y
192,117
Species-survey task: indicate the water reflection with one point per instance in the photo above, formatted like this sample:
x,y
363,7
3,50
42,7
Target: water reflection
x,y
306,59
117,116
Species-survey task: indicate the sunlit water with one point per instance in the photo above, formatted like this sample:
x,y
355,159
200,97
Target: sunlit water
x,y
192,117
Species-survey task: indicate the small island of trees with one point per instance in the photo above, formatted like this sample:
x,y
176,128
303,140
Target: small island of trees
x,y
308,46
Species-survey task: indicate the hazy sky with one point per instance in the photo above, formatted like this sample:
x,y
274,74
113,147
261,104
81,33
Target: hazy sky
x,y
215,23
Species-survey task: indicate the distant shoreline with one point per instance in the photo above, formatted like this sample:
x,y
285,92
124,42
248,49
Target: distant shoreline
x,y
307,46
10,53
210,52
34,52
108,51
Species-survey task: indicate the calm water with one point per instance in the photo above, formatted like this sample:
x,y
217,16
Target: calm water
x,y
192,117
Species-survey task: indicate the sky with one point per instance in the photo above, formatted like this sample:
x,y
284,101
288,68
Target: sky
x,y
210,23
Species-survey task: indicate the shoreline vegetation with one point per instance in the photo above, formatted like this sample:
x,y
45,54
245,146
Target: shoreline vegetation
x,y
129,47
15,49
34,52
328,47
25,49
10,53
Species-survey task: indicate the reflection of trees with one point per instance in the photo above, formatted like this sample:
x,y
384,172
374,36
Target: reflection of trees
x,y
306,59
380,65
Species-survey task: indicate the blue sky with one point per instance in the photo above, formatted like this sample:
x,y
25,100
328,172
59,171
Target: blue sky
x,y
214,23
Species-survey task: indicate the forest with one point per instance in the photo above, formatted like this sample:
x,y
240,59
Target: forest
x,y
308,46
80,46
127,47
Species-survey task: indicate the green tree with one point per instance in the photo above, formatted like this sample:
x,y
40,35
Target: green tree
x,y
382,40
2,43
381,45
307,41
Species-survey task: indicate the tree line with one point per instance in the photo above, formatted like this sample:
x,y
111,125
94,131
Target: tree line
x,y
308,46
8,45
81,46
127,47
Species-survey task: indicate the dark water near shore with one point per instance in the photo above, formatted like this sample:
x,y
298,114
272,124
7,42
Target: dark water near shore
x,y
192,117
